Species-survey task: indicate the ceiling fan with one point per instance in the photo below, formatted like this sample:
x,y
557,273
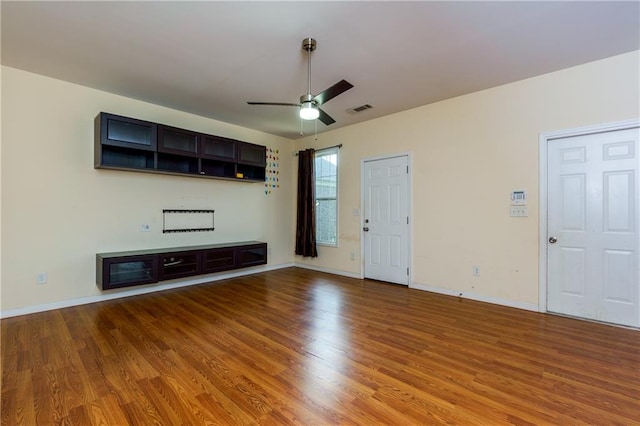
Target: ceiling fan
x,y
310,105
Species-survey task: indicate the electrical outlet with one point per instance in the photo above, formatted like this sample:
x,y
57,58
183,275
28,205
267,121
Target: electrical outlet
x,y
42,278
145,227
476,271
353,255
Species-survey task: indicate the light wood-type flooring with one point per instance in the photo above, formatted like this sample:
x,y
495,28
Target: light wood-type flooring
x,y
294,346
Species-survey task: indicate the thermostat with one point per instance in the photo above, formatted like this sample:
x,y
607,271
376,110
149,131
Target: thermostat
x,y
519,198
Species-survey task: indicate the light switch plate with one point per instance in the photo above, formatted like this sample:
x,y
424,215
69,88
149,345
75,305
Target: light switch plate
x,y
518,211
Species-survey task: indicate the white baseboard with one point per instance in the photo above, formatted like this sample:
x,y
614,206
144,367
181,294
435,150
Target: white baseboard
x,y
478,297
134,291
328,270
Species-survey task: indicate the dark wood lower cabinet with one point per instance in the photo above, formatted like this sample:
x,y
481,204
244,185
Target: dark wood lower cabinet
x,y
126,270
252,254
178,265
131,268
220,259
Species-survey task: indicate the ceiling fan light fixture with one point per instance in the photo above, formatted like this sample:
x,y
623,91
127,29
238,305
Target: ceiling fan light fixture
x,y
309,104
308,111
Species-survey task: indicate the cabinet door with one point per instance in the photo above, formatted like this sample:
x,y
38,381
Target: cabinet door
x,y
172,140
180,264
126,132
251,255
251,154
220,259
128,271
218,148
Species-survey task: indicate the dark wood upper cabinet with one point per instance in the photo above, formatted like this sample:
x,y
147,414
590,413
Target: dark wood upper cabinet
x,y
218,148
251,154
126,132
172,140
135,145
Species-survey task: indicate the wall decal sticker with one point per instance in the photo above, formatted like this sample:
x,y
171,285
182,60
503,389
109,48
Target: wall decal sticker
x,y
272,179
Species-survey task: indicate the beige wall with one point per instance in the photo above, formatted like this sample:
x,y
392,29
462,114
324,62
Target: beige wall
x,y
58,211
468,153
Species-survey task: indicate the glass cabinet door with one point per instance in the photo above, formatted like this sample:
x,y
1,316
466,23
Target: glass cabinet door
x,y
177,141
255,155
128,271
253,255
219,259
217,148
127,132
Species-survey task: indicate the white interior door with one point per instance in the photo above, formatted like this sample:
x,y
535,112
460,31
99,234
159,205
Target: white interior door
x,y
386,220
592,227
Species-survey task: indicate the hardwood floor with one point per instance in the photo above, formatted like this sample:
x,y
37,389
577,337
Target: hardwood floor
x,y
301,347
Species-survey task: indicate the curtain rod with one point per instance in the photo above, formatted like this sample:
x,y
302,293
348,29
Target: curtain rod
x,y
321,149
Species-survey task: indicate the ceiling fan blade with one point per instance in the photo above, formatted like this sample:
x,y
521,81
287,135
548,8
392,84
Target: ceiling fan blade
x,y
333,91
273,103
325,118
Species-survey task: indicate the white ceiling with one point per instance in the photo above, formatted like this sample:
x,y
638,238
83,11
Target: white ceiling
x,y
209,58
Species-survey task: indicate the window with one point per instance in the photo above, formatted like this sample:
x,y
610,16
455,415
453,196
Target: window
x,y
326,171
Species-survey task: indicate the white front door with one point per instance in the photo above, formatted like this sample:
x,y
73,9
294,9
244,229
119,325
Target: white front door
x,y
385,219
592,226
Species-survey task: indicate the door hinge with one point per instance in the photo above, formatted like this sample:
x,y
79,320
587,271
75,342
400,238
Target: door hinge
x,y
407,271
407,169
407,220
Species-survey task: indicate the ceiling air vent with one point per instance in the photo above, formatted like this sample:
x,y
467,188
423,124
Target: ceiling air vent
x,y
359,108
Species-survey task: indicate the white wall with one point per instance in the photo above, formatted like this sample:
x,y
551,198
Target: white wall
x,y
468,154
58,211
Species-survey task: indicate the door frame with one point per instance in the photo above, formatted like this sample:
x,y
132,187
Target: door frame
x,y
409,210
543,141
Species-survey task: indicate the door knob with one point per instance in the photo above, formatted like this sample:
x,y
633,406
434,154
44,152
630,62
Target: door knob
x,y
553,240
365,229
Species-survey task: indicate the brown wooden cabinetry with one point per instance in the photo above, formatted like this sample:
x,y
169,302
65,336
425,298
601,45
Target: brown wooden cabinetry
x,y
218,156
125,142
131,268
252,161
218,148
127,132
126,270
252,254
128,144
220,259
177,141
178,264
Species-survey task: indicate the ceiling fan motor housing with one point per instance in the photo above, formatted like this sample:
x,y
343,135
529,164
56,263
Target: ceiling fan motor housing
x,y
308,98
309,44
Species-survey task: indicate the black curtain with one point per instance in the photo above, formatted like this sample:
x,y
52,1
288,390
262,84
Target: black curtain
x,y
306,219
